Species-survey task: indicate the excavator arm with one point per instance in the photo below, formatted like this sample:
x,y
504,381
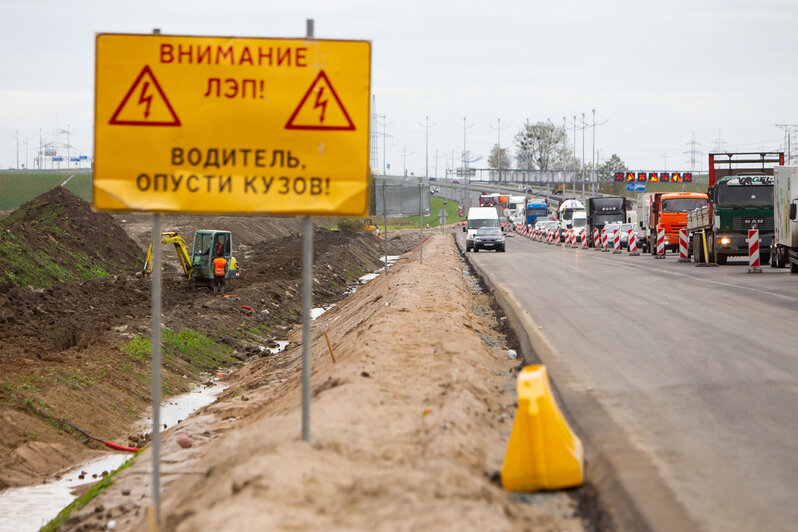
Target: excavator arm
x,y
171,237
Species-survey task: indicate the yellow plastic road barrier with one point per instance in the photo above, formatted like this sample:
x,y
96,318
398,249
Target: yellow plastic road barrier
x,y
543,452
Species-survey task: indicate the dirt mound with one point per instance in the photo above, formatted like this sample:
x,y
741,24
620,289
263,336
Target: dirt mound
x,y
56,237
247,231
64,349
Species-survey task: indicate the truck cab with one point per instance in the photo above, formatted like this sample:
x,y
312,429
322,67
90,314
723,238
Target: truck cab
x,y
603,210
536,209
565,214
669,212
740,203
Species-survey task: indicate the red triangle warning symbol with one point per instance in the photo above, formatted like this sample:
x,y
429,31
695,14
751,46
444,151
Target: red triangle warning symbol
x,y
320,108
145,104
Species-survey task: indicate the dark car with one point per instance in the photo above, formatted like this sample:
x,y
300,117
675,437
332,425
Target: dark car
x,y
489,238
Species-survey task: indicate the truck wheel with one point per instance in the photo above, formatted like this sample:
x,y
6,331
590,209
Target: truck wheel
x,y
793,266
698,251
720,259
779,258
476,250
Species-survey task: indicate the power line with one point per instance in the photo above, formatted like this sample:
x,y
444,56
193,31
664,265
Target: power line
x,y
465,163
693,151
789,129
719,145
499,153
426,126
405,155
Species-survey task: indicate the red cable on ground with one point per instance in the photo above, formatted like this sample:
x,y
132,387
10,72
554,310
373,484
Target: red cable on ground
x,y
121,447
106,443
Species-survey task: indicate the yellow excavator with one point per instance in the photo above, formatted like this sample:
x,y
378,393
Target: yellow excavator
x,y
198,266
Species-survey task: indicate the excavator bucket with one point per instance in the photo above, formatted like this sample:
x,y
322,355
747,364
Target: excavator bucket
x,y
543,453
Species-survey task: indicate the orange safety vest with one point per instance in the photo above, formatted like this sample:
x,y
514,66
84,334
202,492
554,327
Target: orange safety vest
x,y
218,266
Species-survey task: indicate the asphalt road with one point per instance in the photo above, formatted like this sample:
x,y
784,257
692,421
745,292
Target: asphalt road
x,y
684,379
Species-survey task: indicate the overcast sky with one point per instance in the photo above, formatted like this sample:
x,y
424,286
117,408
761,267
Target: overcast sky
x,y
656,72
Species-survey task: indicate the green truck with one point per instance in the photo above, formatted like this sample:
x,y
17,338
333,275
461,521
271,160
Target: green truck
x,y
740,198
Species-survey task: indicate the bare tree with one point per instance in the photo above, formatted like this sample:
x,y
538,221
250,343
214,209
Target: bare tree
x,y
499,159
543,146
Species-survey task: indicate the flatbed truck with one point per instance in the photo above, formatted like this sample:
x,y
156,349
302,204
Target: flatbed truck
x,y
740,198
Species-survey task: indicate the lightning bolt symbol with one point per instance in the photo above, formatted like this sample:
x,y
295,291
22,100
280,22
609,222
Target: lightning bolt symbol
x,y
321,103
145,98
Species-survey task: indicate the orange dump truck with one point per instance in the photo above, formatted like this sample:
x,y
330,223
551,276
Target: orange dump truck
x,y
669,212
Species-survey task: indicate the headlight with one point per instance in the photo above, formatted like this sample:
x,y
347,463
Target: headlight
x,y
724,241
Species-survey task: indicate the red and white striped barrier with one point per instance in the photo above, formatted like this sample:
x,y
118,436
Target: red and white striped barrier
x,y
596,239
565,238
660,243
573,238
631,242
616,241
753,251
505,226
548,236
584,239
604,246
683,246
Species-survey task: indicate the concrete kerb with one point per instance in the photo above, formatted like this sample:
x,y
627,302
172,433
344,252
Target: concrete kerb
x,y
593,424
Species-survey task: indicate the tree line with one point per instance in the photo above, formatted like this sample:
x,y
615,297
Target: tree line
x,y
544,146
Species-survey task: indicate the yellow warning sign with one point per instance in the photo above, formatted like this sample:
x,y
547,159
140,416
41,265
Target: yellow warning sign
x,y
148,107
320,108
231,125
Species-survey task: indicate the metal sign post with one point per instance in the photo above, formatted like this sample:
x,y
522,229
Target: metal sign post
x,y
307,295
420,221
385,223
155,348
155,342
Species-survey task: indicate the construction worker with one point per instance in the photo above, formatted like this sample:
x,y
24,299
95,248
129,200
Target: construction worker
x,y
219,267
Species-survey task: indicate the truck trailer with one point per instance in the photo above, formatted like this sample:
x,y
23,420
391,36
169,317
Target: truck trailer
x,y
784,248
740,198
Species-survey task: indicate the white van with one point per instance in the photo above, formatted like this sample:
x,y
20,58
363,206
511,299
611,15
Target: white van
x,y
479,217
